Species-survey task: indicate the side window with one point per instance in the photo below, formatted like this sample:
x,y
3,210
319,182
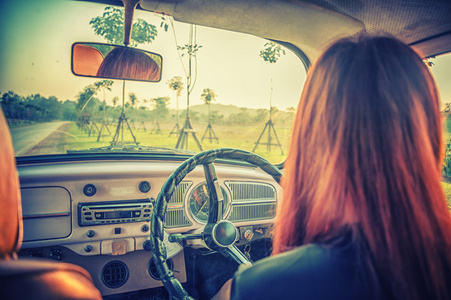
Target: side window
x,y
441,70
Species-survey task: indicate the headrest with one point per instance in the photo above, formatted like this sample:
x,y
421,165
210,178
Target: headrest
x,y
10,203
86,60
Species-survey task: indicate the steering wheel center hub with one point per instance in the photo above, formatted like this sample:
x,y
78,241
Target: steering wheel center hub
x,y
224,233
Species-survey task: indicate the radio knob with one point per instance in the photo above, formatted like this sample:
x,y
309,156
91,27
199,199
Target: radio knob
x,y
88,248
90,233
147,246
145,228
89,190
144,186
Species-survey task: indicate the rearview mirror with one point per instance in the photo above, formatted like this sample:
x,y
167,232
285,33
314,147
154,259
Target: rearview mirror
x,y
115,62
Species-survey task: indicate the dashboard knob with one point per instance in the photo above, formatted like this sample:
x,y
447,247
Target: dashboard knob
x,y
89,190
248,235
88,248
90,233
145,228
147,246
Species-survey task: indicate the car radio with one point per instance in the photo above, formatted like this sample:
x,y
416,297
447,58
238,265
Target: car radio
x,y
105,213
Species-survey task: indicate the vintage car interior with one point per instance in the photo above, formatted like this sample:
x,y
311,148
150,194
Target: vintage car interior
x,y
156,224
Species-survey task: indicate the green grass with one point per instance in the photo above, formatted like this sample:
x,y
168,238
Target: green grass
x,y
242,137
447,191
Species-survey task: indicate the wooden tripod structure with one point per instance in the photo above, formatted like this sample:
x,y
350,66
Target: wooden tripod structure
x,y
93,128
142,127
182,142
120,125
104,124
270,127
176,129
156,128
211,133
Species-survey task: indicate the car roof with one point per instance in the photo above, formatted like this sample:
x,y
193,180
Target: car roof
x,y
311,25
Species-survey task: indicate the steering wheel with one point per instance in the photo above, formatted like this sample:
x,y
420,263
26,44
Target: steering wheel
x,y
218,234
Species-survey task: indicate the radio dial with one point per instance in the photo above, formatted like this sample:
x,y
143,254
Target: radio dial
x,y
147,246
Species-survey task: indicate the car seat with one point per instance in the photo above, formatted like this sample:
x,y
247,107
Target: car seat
x,y
30,278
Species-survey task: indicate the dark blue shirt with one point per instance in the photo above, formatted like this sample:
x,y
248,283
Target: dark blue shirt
x,y
309,272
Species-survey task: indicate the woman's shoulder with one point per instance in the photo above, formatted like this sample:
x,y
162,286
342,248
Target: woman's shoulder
x,y
313,270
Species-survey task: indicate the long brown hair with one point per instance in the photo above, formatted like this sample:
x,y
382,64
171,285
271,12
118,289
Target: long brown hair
x,y
365,157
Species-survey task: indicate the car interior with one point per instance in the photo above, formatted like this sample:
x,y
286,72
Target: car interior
x,y
159,224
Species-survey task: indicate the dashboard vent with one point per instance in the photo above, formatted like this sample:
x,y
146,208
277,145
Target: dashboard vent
x,y
252,201
177,218
114,274
152,268
251,191
252,212
180,192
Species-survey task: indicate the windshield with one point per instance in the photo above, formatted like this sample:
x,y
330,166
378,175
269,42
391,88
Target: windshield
x,y
217,88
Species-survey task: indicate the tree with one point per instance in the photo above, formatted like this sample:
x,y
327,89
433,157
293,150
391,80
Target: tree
x,y
291,112
176,85
115,100
103,84
242,117
272,52
160,111
262,114
111,27
133,99
208,95
84,97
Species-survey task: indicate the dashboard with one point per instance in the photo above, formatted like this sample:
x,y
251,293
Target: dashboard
x,y
96,214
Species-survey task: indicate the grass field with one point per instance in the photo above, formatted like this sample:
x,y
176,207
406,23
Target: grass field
x,y
242,137
447,190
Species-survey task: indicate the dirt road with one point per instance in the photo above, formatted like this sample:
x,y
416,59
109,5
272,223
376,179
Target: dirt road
x,y
27,137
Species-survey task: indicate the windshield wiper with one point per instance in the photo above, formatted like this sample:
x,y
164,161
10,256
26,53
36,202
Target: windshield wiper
x,y
133,149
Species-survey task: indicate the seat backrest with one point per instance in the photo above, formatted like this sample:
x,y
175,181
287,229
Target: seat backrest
x,y
43,279
10,212
30,279
86,60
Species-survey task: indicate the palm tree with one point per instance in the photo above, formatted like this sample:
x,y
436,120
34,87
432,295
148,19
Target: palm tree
x,y
133,99
176,85
208,95
115,100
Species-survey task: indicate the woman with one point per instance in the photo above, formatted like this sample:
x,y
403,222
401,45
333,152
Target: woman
x,y
363,215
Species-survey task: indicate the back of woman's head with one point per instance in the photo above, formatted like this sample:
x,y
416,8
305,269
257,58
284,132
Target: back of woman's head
x,y
365,156
128,63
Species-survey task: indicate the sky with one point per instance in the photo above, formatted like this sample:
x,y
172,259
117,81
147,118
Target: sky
x,y
36,40
36,45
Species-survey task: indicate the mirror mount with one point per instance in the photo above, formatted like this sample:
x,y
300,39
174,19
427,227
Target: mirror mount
x,y
129,6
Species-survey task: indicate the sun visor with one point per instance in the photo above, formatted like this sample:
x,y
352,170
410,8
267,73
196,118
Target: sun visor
x,y
309,27
434,46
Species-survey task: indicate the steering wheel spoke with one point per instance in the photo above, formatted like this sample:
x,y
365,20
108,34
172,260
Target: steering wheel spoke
x,y
236,255
180,238
216,199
